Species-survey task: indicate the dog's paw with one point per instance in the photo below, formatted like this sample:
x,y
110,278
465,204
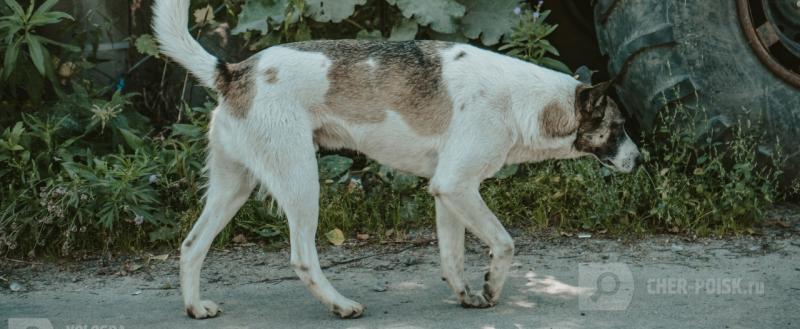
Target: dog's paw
x,y
469,300
205,309
348,309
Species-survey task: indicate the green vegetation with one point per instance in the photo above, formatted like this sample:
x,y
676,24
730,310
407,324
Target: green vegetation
x,y
89,167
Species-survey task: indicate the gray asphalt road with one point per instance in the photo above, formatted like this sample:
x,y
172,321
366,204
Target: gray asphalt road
x,y
562,283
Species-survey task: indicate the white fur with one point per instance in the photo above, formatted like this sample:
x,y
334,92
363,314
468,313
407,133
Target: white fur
x,y
625,159
170,25
497,102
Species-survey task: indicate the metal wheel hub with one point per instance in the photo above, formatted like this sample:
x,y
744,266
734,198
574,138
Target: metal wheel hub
x,y
772,28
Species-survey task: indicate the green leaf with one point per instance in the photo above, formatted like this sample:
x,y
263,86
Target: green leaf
x,y
191,131
13,27
11,55
489,20
256,15
146,44
79,170
369,35
303,32
441,15
404,31
15,7
404,183
37,52
555,65
507,172
29,13
45,7
333,166
9,23
135,142
48,18
332,10
69,47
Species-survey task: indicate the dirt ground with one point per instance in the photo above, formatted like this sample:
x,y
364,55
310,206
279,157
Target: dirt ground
x,y
564,282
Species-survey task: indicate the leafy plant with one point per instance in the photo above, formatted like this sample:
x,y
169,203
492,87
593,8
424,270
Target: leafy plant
x,y
280,21
528,39
21,28
91,170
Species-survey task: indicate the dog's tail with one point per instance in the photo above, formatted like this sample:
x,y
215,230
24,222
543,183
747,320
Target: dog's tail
x,y
172,32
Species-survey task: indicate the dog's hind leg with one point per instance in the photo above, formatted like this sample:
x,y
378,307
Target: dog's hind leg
x,y
229,188
291,175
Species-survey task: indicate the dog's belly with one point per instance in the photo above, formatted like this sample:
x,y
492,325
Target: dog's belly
x,y
391,142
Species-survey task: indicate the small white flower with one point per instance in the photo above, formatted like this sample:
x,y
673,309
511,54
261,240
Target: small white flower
x,y
139,220
517,11
152,179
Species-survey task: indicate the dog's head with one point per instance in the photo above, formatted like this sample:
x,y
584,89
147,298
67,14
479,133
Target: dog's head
x,y
602,128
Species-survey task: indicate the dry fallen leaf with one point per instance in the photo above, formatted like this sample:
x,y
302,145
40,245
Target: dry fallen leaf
x,y
240,239
160,257
335,237
362,237
204,15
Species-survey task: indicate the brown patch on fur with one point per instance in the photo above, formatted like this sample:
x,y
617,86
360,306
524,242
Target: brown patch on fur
x,y
190,312
189,242
556,122
501,103
369,77
332,136
272,75
236,84
487,292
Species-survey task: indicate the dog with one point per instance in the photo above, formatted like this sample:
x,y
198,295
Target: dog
x,y
449,112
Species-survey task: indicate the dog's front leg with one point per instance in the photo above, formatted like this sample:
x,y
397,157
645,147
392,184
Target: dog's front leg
x,y
476,216
450,233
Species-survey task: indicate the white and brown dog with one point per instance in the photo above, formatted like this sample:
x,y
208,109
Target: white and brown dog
x,y
450,112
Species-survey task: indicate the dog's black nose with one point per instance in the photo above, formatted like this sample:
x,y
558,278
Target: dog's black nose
x,y
637,161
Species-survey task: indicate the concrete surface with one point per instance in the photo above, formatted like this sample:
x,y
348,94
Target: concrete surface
x,y
732,283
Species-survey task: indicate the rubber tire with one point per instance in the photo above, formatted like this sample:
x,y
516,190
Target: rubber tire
x,y
695,52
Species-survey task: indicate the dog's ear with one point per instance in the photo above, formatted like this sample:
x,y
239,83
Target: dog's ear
x,y
591,100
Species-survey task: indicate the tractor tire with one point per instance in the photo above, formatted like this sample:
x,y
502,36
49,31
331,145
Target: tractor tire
x,y
696,52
